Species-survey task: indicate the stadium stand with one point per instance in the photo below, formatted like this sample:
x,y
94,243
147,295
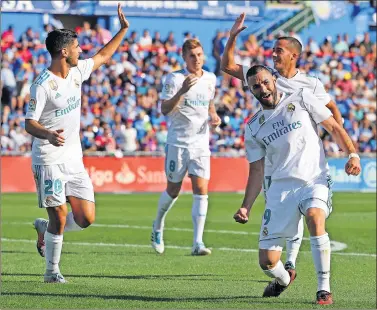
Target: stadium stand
x,y
120,103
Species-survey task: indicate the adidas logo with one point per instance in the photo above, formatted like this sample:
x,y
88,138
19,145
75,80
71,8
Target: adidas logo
x,y
57,95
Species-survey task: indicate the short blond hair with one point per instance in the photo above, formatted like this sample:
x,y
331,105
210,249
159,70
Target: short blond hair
x,y
190,44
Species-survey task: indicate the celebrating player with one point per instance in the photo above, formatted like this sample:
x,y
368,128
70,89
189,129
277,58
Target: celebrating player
x,y
187,100
285,133
53,119
286,53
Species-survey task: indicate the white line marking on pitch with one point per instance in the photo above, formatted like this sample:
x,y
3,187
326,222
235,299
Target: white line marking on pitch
x,y
126,245
335,245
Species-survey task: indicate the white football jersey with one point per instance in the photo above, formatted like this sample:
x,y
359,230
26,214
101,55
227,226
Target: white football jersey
x,y
56,104
188,123
300,80
287,137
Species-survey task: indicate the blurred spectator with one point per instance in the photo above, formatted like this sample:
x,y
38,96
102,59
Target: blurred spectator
x,y
186,36
170,44
216,50
8,82
146,40
7,39
27,37
127,137
340,46
103,35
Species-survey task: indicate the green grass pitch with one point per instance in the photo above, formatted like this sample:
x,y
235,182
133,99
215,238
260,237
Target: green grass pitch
x,y
111,264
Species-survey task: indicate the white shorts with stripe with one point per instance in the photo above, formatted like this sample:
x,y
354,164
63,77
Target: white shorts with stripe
x,y
179,161
286,202
55,182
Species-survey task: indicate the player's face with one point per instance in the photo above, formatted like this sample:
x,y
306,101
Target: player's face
x,y
263,87
73,53
194,59
282,56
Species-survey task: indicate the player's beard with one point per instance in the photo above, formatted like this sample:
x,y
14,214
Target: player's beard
x,y
269,104
71,62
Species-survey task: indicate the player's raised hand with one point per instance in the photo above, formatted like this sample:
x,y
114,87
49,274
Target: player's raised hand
x,y
241,216
353,166
124,24
55,137
238,25
189,82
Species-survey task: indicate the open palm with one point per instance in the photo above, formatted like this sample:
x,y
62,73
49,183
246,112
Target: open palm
x,y
122,19
238,25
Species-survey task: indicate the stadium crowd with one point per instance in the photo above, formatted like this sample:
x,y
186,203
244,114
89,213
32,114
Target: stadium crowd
x,y
120,102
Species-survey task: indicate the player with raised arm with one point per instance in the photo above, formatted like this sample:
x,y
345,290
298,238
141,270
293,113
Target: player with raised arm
x,y
286,53
187,99
53,119
285,133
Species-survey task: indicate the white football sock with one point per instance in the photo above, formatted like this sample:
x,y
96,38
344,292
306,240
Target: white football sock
x,y
279,273
321,252
70,224
165,203
53,251
293,245
199,214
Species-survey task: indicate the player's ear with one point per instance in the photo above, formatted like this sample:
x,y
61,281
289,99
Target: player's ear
x,y
295,56
64,52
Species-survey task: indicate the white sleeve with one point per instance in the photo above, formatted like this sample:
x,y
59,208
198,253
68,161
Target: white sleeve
x,y
169,89
38,99
85,67
254,150
320,92
317,111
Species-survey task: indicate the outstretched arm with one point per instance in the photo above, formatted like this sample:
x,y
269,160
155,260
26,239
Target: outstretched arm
x,y
253,188
105,53
344,141
335,112
228,64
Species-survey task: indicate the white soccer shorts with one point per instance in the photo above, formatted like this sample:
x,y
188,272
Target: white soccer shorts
x,y
179,160
286,202
55,182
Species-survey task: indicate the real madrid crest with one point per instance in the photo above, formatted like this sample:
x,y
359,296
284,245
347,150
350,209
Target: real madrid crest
x,y
265,231
32,104
168,88
291,107
261,119
53,85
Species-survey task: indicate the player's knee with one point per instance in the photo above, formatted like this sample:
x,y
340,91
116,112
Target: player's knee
x,y
173,189
267,264
315,219
200,190
86,220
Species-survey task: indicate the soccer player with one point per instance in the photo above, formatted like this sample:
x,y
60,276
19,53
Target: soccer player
x,y
285,133
53,119
187,100
286,53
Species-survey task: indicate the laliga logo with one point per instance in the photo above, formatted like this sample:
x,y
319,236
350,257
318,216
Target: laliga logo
x,y
60,5
369,174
